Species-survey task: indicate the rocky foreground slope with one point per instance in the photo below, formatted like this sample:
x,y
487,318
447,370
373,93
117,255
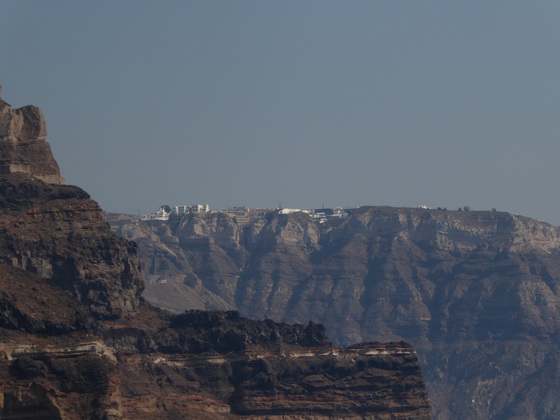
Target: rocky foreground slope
x,y
77,341
477,293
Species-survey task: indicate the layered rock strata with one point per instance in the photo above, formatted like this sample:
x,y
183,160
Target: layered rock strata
x,y
206,366
477,293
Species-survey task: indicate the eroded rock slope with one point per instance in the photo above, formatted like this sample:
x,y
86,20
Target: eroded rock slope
x,y
477,293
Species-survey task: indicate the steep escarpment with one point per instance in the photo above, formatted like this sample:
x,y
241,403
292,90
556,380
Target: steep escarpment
x,y
477,293
78,342
217,364
205,365
59,233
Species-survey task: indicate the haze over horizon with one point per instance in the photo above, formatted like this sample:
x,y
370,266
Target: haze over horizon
x,y
301,103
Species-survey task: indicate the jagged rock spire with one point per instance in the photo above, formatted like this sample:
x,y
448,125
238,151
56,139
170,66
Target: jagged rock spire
x,y
22,143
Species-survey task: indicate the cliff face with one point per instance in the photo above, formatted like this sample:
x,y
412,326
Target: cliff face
x,y
477,293
237,367
58,233
202,365
22,144
78,342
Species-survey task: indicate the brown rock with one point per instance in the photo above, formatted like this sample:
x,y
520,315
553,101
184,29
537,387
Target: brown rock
x,y
57,232
22,144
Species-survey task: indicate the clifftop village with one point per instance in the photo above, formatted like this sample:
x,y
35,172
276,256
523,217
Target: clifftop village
x,y
243,214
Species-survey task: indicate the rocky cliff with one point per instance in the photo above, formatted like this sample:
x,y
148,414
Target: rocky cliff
x,y
78,341
59,233
204,365
477,293
22,143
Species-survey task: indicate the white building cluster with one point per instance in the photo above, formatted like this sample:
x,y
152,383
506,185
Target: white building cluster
x,y
244,214
165,212
321,215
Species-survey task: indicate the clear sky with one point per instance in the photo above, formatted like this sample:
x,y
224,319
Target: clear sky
x,y
303,103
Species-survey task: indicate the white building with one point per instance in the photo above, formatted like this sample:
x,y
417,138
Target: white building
x,y
179,210
290,211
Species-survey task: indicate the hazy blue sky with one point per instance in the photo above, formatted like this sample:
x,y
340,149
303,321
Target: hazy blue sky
x,y
304,103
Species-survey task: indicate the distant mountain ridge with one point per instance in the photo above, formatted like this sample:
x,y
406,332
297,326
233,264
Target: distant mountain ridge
x,y
476,292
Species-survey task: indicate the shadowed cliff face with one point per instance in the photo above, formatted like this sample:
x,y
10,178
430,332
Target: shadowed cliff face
x,y
477,293
78,342
58,233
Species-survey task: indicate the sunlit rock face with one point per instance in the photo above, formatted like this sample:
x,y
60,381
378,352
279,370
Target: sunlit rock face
x,y
476,292
22,144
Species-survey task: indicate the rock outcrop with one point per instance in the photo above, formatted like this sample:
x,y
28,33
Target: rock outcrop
x,y
78,342
202,365
22,143
477,293
60,234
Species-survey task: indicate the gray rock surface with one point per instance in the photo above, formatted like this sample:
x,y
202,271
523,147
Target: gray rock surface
x,y
477,293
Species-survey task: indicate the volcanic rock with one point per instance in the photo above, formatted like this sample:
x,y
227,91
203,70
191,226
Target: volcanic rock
x,y
22,143
476,292
59,233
